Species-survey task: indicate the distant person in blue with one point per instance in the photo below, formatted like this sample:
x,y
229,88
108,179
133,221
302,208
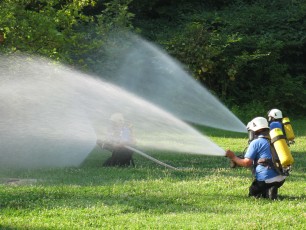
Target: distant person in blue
x,y
276,120
119,134
267,180
275,117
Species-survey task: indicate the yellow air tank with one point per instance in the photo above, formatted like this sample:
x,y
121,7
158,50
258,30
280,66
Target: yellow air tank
x,y
288,129
279,142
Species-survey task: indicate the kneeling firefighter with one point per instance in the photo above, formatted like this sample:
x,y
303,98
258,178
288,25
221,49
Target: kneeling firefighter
x,y
276,120
119,134
259,155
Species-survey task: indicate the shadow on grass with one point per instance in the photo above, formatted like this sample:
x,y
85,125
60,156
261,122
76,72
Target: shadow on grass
x,y
132,200
127,201
8,227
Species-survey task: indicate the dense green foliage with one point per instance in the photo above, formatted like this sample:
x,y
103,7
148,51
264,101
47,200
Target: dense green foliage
x,y
205,194
58,29
249,53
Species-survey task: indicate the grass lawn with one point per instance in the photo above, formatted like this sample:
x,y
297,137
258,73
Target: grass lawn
x,y
204,194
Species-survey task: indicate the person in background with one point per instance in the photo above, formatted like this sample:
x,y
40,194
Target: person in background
x,y
119,134
258,155
275,117
276,120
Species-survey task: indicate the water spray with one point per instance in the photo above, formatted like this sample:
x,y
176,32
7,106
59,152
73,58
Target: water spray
x,y
144,69
52,115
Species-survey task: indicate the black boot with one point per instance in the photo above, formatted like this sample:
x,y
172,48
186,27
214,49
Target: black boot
x,y
265,194
272,193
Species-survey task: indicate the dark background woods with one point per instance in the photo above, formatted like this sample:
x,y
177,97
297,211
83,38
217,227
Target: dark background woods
x,y
249,53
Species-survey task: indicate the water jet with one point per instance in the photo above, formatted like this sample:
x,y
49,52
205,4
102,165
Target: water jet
x,y
52,115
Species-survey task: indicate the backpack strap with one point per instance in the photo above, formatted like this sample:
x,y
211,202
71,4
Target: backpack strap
x,y
276,162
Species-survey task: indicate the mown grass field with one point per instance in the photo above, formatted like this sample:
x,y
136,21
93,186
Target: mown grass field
x,y
205,194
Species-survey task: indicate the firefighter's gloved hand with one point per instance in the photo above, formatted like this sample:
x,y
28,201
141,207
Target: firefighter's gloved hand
x,y
291,142
230,154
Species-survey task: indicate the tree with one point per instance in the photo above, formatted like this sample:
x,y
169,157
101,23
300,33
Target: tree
x,y
58,29
241,50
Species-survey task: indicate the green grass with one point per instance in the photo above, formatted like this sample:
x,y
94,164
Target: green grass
x,y
205,194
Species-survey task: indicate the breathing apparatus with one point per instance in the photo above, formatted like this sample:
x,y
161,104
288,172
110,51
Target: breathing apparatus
x,y
281,155
278,141
251,134
276,115
288,130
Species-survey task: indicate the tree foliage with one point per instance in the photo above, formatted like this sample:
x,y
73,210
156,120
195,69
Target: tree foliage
x,y
247,52
59,29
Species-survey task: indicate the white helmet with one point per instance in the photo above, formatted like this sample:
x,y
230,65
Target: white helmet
x,y
117,118
275,113
258,123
